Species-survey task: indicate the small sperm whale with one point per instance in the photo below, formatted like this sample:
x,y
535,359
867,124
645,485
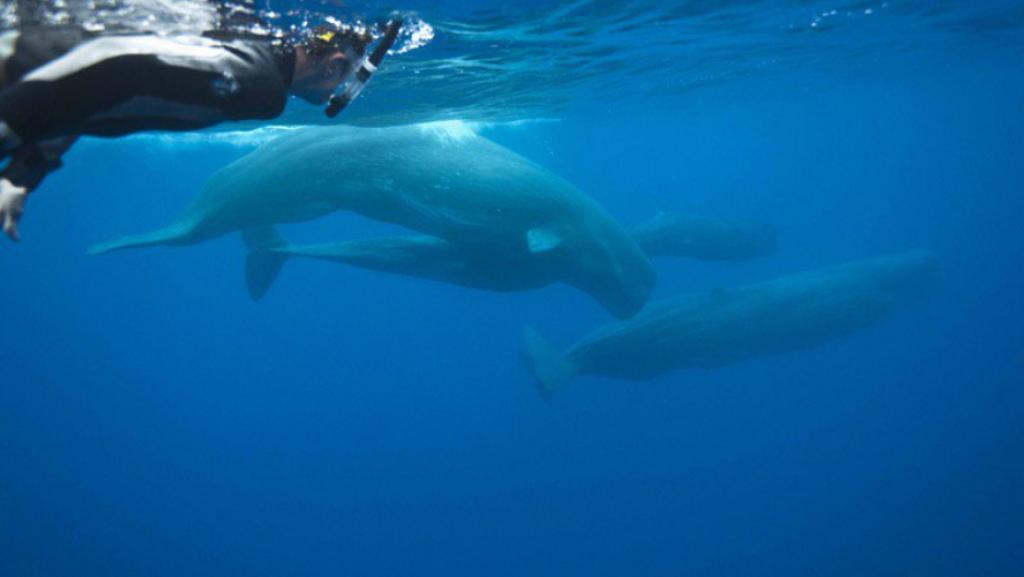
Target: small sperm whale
x,y
469,266
438,179
727,326
423,257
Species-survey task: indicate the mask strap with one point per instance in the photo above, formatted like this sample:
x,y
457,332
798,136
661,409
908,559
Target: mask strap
x,y
367,68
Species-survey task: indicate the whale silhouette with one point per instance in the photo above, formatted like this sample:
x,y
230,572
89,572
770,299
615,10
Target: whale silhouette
x,y
726,326
709,239
439,179
428,257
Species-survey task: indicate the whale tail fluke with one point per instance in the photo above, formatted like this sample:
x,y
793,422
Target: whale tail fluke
x,y
550,369
174,234
263,264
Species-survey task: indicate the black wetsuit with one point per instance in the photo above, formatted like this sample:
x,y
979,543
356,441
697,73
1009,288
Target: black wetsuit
x,y
62,82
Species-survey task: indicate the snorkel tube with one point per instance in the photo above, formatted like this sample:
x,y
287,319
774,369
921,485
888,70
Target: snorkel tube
x,y
369,65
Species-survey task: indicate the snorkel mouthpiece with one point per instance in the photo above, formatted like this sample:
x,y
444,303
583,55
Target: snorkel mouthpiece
x,y
367,67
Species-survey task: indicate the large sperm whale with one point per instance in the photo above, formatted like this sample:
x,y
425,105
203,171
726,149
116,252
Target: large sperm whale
x,y
727,326
432,258
439,179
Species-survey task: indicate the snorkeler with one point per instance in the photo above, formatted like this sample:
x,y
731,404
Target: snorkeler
x,y
57,83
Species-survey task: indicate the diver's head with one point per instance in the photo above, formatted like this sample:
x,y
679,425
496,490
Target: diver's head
x,y
324,59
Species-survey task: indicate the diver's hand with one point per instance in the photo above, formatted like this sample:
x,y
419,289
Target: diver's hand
x,y
12,205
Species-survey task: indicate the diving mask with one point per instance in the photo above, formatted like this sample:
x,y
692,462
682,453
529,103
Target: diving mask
x,y
347,93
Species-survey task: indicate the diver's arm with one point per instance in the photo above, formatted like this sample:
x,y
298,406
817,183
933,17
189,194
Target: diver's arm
x,y
27,169
31,164
119,85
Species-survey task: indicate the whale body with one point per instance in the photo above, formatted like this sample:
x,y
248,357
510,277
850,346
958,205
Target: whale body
x,y
439,179
431,258
705,238
726,326
426,257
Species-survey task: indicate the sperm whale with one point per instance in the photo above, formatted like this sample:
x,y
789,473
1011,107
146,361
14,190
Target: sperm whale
x,y
439,179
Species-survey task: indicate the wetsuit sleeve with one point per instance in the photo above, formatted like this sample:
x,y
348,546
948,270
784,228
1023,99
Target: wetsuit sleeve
x,y
119,85
33,162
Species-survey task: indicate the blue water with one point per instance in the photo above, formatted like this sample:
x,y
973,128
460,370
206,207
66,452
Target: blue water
x,y
155,421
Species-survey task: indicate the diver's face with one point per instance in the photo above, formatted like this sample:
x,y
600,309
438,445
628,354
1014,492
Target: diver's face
x,y
317,78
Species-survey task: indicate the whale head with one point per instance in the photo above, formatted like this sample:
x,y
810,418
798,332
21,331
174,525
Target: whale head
x,y
613,269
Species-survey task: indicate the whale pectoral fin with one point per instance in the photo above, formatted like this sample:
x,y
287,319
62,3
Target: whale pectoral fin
x,y
542,240
550,369
262,264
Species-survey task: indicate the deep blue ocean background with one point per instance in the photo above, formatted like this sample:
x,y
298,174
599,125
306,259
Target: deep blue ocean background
x,y
155,421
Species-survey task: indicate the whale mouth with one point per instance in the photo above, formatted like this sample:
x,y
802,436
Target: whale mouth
x,y
623,301
637,285
621,279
